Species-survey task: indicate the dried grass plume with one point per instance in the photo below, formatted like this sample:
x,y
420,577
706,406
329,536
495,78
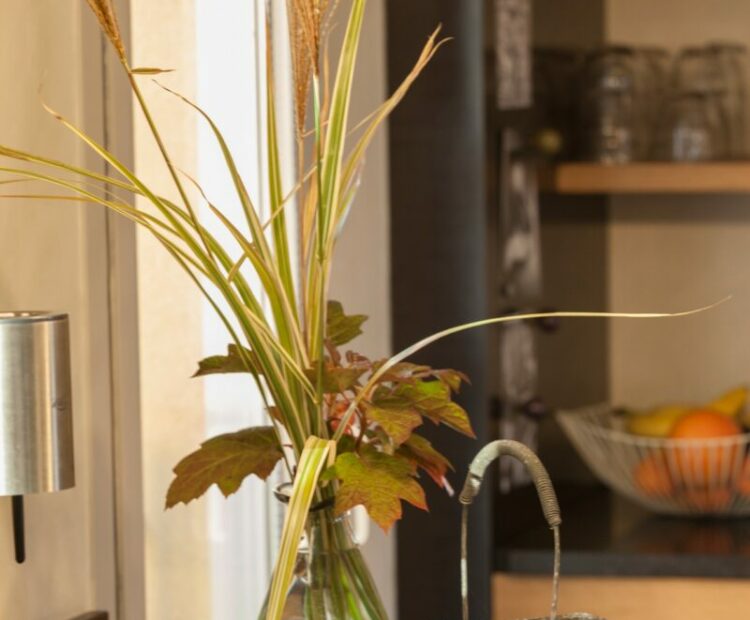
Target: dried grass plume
x,y
308,20
105,13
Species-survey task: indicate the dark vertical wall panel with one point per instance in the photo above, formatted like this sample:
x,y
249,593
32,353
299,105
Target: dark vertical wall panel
x,y
440,277
573,362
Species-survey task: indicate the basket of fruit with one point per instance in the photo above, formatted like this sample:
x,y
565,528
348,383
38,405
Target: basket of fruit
x,y
672,460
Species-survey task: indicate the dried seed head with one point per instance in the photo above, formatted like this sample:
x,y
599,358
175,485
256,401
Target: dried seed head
x,y
105,13
308,20
301,63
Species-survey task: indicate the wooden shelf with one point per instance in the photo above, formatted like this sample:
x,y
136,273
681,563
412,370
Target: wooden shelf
x,y
647,178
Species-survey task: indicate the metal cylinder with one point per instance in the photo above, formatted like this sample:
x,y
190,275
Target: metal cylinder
x,y
36,425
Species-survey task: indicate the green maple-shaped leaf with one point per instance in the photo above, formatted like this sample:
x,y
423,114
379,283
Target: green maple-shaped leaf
x,y
398,422
230,363
431,399
341,328
420,451
225,461
378,482
453,415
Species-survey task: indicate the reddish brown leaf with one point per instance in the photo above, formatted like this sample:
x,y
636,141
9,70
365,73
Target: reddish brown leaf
x,y
225,461
357,359
420,451
403,371
336,379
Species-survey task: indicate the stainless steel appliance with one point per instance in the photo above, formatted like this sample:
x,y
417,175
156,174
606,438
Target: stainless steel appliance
x,y
36,425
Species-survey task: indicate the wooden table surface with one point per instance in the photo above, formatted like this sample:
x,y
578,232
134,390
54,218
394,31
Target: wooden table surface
x,y
615,598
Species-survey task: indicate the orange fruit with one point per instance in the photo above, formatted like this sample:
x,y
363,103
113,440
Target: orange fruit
x,y
704,464
708,500
652,476
704,424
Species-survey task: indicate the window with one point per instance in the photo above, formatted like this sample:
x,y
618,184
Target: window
x,y
213,559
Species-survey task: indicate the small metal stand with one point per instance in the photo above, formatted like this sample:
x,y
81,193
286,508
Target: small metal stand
x,y
548,500
19,529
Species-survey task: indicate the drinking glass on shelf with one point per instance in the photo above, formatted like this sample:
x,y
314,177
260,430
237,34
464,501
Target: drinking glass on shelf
x,y
695,70
731,73
691,131
652,88
699,82
608,113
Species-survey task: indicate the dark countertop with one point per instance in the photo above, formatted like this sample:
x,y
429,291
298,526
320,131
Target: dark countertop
x,y
603,534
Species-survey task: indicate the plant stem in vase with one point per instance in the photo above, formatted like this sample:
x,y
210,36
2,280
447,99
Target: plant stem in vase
x,y
331,578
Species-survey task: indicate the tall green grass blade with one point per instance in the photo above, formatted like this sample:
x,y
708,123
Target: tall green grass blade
x,y
282,308
59,165
163,150
275,183
330,162
251,215
318,454
273,372
331,189
130,176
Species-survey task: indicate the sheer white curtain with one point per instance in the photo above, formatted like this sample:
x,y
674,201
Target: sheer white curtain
x,y
231,70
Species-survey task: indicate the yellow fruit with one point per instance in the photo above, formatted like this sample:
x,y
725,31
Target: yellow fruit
x,y
732,403
657,422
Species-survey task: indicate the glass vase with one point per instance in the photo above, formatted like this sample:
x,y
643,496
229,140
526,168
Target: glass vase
x,y
331,579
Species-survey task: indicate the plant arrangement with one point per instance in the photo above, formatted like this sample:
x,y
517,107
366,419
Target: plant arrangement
x,y
345,427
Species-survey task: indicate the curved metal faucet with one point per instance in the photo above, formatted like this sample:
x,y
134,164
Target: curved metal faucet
x,y
545,491
537,471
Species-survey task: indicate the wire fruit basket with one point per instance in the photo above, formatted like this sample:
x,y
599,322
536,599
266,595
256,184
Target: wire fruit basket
x,y
689,477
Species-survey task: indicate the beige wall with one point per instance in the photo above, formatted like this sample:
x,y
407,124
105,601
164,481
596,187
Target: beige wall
x,y
54,257
676,252
178,583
